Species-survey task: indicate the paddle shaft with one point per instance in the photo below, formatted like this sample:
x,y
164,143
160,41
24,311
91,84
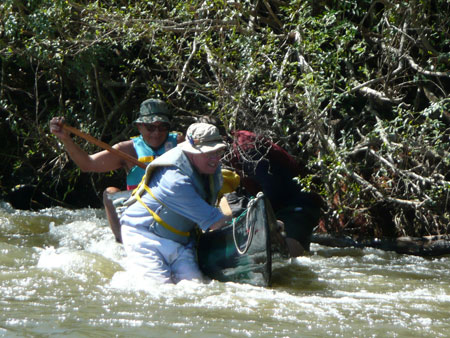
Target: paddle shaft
x,y
103,145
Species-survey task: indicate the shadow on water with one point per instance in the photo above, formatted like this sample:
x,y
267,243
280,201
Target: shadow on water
x,y
291,276
29,231
339,252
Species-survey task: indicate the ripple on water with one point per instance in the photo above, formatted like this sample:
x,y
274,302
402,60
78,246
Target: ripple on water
x,y
71,282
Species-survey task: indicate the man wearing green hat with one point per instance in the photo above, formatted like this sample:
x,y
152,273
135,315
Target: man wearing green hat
x,y
153,124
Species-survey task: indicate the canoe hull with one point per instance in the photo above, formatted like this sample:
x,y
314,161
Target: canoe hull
x,y
242,253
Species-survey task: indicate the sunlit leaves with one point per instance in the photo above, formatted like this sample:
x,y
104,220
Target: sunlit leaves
x,y
294,73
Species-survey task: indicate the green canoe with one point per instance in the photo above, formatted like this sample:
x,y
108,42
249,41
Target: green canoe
x,y
242,252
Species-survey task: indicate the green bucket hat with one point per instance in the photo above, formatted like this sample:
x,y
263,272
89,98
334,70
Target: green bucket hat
x,y
153,110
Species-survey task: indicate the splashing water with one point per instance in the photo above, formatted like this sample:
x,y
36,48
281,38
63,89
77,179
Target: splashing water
x,y
62,274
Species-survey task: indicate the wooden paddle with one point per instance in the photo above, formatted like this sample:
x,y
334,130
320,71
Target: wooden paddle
x,y
103,145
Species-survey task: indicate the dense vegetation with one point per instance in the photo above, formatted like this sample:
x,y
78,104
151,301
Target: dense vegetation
x,y
357,90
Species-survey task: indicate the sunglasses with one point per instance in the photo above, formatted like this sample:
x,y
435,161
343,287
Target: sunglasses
x,y
153,127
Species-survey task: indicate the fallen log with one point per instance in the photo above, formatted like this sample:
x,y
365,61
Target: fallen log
x,y
427,246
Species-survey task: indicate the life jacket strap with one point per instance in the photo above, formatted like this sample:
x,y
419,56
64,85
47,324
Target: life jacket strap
x,y
156,216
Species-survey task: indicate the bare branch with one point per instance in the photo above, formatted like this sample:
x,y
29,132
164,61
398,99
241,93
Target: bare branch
x,y
272,14
411,61
380,196
185,67
379,95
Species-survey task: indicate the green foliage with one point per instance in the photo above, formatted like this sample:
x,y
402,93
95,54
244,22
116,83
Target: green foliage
x,y
357,90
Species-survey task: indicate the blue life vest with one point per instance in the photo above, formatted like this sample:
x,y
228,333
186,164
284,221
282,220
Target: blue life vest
x,y
167,223
147,154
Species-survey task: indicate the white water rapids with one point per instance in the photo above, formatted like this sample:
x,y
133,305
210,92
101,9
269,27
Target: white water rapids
x,y
61,275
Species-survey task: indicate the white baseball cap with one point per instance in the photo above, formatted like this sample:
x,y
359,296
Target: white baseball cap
x,y
202,138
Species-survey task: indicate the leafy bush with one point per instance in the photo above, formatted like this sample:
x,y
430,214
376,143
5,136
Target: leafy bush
x,y
356,90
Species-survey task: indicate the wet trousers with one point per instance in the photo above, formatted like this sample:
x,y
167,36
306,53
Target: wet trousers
x,y
157,258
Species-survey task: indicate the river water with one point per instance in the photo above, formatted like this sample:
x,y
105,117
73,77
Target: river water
x,y
61,275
